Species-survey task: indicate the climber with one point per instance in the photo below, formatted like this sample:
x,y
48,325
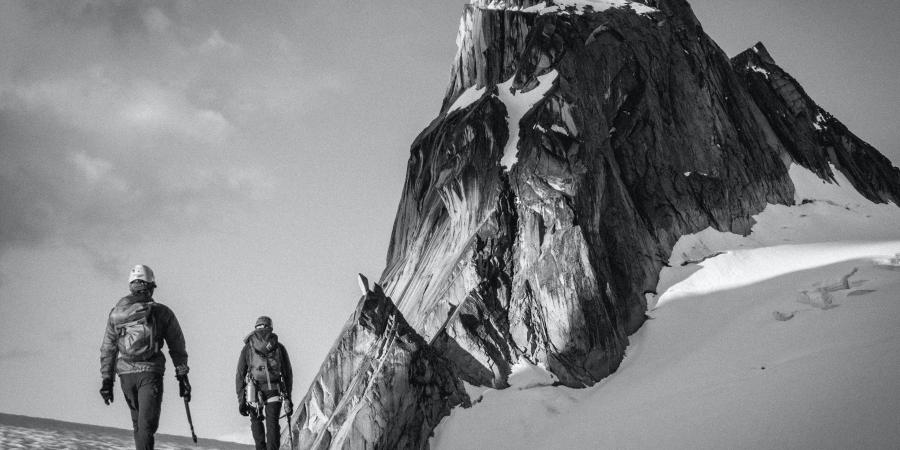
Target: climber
x,y
263,382
132,348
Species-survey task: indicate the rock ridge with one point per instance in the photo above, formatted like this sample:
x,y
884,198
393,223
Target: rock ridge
x,y
382,386
812,136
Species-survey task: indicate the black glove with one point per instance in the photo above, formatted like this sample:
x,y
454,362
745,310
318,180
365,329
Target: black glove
x,y
288,407
243,408
107,390
184,387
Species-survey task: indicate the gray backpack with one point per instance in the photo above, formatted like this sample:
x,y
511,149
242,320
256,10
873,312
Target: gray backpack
x,y
264,360
136,334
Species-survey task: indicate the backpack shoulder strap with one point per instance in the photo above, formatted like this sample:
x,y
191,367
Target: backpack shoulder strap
x,y
280,350
121,314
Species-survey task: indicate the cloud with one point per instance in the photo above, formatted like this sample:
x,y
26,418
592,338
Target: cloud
x,y
68,178
217,44
94,169
111,148
148,107
100,101
125,122
156,21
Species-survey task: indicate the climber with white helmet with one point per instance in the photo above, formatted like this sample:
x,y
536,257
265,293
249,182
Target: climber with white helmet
x,y
132,348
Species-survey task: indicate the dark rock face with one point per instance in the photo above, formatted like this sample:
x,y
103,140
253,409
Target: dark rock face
x,y
572,150
382,386
812,136
645,135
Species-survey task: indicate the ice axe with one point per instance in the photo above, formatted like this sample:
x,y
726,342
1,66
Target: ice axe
x,y
187,409
290,431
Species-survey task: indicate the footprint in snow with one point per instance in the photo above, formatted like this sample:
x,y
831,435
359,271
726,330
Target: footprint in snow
x,y
783,316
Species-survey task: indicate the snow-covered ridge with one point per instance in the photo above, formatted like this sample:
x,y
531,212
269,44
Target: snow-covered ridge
x,y
23,432
564,6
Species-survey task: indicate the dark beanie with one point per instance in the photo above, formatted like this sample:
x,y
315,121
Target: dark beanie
x,y
263,320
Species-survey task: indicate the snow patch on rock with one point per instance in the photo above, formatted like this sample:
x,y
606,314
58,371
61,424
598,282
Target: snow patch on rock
x,y
819,123
758,69
469,96
580,7
518,104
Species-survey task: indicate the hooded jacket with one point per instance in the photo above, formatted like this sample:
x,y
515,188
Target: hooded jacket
x,y
166,329
264,342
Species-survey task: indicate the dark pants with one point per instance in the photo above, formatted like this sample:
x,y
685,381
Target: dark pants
x,y
143,393
268,437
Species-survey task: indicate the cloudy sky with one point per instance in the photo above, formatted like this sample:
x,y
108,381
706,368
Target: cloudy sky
x,y
253,155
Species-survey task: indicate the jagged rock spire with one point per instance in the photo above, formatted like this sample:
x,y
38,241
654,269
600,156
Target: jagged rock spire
x,y
628,129
812,136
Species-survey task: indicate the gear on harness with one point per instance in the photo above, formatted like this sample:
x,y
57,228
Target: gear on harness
x,y
253,396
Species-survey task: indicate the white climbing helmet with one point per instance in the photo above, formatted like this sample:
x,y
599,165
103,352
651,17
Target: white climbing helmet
x,y
141,272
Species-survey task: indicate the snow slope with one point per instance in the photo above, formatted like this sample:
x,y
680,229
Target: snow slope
x,y
753,343
22,432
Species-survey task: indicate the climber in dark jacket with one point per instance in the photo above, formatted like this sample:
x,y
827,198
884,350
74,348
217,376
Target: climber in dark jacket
x,y
132,348
264,370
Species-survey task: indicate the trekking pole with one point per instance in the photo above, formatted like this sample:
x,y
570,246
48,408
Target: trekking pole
x,y
282,388
187,409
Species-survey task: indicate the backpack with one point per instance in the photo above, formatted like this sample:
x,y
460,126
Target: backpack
x,y
135,330
264,360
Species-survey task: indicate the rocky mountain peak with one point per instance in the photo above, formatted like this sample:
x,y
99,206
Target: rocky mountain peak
x,y
812,136
574,147
761,51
